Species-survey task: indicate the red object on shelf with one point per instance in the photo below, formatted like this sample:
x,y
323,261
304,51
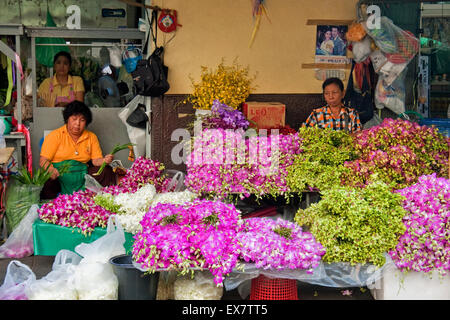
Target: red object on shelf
x,y
266,212
264,288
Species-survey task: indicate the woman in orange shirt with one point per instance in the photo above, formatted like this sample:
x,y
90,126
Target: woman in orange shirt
x,y
74,146
62,88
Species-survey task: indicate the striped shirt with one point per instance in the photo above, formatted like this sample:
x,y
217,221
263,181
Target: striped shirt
x,y
323,118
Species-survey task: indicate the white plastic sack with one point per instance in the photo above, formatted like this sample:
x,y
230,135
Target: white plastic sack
x,y
361,49
201,287
378,60
18,277
20,242
115,56
91,184
176,183
136,135
94,277
58,284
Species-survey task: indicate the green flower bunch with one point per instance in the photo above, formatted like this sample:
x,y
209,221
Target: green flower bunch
x,y
320,164
356,225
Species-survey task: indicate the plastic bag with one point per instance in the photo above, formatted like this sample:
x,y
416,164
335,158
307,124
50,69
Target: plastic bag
x,y
17,279
201,287
361,49
176,183
115,56
336,275
20,243
19,199
91,184
391,96
136,135
94,277
58,284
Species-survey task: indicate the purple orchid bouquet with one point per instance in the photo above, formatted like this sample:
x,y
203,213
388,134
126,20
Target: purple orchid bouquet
x,y
200,234
225,162
425,246
279,244
79,210
399,152
225,117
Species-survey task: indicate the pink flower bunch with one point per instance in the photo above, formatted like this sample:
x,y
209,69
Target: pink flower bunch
x,y
199,234
426,243
77,210
399,151
143,171
225,162
279,244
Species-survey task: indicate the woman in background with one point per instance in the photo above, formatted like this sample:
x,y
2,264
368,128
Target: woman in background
x,y
62,88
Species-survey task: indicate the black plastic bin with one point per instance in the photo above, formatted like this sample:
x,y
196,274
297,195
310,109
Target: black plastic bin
x,y
133,283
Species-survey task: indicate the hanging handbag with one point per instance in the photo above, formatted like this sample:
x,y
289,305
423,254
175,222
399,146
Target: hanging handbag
x,y
138,118
360,101
150,75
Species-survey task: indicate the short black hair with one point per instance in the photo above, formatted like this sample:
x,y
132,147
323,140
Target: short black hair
x,y
336,81
77,107
64,54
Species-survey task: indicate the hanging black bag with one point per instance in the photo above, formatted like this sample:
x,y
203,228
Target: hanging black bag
x,y
361,102
138,118
150,75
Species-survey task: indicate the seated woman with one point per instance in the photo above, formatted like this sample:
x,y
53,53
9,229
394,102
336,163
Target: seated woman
x,y
62,88
334,115
76,149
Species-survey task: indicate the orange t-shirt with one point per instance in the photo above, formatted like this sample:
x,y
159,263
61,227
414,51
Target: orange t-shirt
x,y
59,146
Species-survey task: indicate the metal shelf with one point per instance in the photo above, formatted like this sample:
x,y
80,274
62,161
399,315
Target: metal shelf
x,y
88,33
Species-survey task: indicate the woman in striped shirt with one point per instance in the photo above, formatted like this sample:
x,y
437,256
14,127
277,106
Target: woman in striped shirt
x,y
334,115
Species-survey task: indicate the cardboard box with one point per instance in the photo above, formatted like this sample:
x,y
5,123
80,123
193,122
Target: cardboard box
x,y
265,114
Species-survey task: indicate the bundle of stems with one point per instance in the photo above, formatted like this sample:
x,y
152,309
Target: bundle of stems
x,y
40,177
117,148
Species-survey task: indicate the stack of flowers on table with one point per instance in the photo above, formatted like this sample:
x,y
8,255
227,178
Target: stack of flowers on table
x,y
225,117
320,164
278,244
199,234
425,245
81,210
224,163
356,225
399,152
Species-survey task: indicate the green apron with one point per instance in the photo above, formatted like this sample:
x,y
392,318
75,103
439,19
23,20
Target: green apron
x,y
73,179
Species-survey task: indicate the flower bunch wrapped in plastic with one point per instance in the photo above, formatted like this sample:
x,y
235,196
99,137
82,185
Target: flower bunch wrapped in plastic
x,y
279,244
229,84
356,225
425,246
226,162
77,210
225,117
399,152
199,234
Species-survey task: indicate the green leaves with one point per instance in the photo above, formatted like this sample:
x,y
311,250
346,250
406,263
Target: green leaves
x,y
40,177
116,149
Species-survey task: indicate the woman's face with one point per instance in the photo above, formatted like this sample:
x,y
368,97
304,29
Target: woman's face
x,y
61,66
76,124
328,35
333,95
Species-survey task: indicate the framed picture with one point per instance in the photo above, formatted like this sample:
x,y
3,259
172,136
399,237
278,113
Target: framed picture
x,y
331,44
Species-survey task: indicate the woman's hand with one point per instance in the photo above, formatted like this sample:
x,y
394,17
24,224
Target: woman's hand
x,y
108,158
54,172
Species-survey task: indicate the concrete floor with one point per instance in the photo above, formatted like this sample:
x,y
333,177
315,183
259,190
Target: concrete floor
x,y
42,265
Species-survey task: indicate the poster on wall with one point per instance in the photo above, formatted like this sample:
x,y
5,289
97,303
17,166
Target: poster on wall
x,y
331,44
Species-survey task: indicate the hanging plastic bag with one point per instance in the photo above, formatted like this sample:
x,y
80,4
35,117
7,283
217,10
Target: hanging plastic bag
x,y
17,279
20,242
361,49
115,56
58,284
19,199
391,96
135,134
94,277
